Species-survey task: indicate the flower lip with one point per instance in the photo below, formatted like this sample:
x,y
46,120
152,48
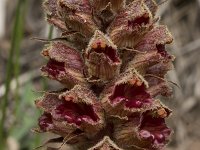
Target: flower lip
x,y
45,122
146,135
101,47
54,68
75,113
102,44
132,95
143,20
154,129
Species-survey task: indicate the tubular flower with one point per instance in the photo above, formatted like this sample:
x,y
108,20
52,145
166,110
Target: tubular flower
x,y
65,64
144,131
101,58
112,59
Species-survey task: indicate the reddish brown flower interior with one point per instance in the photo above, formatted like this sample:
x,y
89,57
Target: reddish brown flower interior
x,y
108,51
54,68
75,112
162,51
133,96
154,129
138,21
45,122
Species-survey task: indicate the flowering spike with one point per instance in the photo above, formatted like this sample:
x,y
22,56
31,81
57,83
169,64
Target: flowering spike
x,y
112,59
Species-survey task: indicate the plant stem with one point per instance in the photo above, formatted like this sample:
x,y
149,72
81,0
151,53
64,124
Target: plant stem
x,y
20,28
15,43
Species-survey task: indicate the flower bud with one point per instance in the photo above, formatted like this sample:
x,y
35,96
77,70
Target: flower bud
x,y
51,9
77,15
116,5
106,10
101,59
65,64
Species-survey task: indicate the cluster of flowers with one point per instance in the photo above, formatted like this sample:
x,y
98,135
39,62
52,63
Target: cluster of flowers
x,y
112,60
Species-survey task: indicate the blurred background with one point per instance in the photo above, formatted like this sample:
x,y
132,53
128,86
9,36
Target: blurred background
x,y
21,84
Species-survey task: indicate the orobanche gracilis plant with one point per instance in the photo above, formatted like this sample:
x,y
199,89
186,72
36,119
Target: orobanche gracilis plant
x,y
111,58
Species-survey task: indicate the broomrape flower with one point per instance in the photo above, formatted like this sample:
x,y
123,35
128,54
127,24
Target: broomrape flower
x,y
112,59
